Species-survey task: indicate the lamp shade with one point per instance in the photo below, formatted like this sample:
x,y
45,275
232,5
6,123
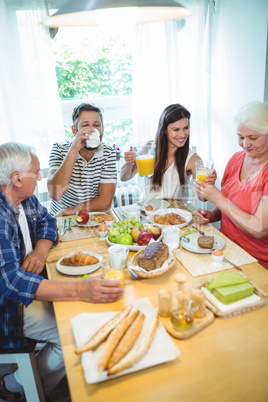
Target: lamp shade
x,y
83,12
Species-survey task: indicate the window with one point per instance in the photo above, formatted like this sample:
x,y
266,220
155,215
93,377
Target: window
x,y
94,65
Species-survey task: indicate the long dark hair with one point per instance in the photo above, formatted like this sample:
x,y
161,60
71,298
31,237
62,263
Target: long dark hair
x,y
170,114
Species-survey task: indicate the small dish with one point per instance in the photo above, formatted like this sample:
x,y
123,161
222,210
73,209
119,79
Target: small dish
x,y
103,234
109,223
79,270
217,257
156,204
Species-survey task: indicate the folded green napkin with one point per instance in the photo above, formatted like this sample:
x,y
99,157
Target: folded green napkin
x,y
230,287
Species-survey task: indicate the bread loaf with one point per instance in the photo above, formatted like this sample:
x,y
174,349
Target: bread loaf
x,y
205,241
153,256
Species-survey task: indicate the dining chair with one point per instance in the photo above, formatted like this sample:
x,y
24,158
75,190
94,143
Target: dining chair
x,y
129,195
26,361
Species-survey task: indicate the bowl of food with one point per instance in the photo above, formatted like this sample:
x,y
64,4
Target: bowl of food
x,y
134,234
171,216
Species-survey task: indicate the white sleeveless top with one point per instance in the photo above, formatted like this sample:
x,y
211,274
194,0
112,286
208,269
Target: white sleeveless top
x,y
171,186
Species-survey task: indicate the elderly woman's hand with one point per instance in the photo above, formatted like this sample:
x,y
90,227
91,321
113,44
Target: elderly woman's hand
x,y
203,216
207,191
211,177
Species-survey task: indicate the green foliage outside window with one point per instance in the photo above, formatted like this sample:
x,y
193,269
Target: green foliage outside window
x,y
93,64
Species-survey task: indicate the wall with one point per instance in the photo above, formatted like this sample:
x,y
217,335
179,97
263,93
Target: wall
x,y
237,68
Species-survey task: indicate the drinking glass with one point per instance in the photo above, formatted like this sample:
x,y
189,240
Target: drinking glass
x,y
202,169
111,273
144,155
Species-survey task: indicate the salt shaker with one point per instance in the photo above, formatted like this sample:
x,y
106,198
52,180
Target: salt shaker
x,y
199,303
164,302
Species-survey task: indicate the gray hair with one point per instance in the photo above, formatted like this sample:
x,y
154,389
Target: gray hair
x,y
254,115
14,157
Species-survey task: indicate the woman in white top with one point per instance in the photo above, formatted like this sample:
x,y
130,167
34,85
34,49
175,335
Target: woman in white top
x,y
174,160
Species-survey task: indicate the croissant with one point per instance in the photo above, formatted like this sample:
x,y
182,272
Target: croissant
x,y
79,259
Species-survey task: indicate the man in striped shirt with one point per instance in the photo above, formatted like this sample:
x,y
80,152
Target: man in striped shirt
x,y
81,177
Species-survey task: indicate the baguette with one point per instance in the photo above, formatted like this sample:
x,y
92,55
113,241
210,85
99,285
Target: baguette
x,y
114,339
127,341
104,331
138,349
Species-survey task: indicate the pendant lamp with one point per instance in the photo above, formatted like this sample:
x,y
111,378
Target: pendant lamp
x,y
89,12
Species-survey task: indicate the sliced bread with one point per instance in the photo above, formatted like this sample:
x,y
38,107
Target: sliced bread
x,y
205,241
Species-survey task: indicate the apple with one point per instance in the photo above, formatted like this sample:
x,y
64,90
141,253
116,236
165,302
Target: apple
x,y
144,239
155,231
124,239
113,234
82,217
135,232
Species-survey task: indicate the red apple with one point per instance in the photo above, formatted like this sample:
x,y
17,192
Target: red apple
x,y
135,232
155,231
144,239
82,217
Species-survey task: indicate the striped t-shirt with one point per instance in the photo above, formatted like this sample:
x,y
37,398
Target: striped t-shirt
x,y
86,176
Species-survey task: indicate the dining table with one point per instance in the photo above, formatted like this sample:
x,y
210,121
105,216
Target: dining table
x,y
225,361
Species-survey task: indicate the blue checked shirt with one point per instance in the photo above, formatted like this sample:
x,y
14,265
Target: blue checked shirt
x,y
17,287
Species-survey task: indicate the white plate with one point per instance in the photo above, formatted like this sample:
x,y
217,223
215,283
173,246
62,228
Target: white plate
x,y
182,212
161,350
79,270
90,223
135,247
156,204
193,246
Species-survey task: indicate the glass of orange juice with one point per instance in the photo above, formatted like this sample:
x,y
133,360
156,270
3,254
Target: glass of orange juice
x,y
202,169
111,273
144,155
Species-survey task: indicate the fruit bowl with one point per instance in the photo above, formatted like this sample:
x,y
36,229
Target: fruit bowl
x,y
135,246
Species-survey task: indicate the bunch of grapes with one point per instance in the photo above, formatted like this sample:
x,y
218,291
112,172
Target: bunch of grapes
x,y
125,226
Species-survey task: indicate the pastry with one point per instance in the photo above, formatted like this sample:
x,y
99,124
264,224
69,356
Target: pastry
x,y
79,259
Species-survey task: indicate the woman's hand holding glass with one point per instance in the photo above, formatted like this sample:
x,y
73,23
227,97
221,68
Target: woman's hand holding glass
x,y
129,156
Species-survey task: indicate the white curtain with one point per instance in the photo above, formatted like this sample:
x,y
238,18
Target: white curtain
x,y
170,66
155,78
29,102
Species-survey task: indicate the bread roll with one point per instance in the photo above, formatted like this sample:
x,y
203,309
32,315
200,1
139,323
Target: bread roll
x,y
138,349
104,331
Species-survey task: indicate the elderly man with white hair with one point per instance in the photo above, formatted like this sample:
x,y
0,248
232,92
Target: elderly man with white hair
x,y
242,203
27,233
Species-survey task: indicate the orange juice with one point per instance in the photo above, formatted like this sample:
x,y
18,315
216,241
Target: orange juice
x,y
115,274
202,175
145,164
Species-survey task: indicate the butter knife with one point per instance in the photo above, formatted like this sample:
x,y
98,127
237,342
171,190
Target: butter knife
x,y
230,262
63,230
200,231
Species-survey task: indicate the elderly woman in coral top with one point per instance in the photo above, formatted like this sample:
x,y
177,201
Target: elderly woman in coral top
x,y
242,203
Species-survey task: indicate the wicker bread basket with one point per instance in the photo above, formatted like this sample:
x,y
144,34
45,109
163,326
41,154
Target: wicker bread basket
x,y
150,274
